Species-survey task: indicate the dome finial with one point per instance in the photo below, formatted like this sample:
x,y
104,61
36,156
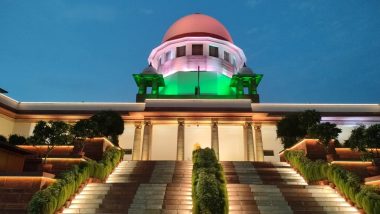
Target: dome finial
x,y
150,69
245,70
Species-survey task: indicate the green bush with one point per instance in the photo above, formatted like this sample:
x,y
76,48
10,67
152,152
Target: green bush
x,y
48,200
15,139
311,171
208,194
109,161
369,199
3,139
208,183
348,183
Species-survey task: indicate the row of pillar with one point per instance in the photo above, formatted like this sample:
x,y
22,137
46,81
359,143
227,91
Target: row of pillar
x,y
253,142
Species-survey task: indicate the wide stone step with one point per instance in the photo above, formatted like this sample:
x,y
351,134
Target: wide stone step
x,y
276,188
83,201
165,187
299,190
318,203
144,211
87,197
139,187
327,209
80,210
176,211
318,199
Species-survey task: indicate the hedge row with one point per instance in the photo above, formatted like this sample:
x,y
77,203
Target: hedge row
x,y
52,198
208,183
348,183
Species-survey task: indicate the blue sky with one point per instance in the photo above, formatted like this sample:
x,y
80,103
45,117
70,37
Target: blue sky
x,y
318,51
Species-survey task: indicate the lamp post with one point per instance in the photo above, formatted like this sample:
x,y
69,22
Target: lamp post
x,y
198,87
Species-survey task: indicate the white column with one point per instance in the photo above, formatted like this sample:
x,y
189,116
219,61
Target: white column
x,y
136,153
249,141
146,141
215,138
259,151
181,140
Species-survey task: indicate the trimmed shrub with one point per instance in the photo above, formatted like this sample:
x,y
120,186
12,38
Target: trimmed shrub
x,y
48,200
311,171
208,183
16,140
348,183
208,194
3,139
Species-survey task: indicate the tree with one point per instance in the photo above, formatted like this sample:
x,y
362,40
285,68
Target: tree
x,y
84,129
366,140
3,139
17,140
373,140
327,134
51,134
294,126
109,124
288,130
308,119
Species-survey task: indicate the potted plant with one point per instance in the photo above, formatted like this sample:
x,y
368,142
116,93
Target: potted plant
x,y
327,134
50,134
367,141
82,130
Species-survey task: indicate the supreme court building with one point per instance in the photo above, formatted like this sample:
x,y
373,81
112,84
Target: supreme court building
x,y
196,89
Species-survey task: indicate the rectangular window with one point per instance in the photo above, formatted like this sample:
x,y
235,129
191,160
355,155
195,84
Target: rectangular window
x,y
168,56
181,51
213,51
227,56
197,50
148,90
128,151
268,153
246,90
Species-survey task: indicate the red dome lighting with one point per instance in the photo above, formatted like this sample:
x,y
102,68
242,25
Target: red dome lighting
x,y
197,25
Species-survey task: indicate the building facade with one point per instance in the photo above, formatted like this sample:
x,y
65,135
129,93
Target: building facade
x,y
197,89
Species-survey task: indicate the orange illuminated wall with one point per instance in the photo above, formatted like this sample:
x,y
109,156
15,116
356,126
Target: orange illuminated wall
x,y
311,147
11,161
58,150
358,167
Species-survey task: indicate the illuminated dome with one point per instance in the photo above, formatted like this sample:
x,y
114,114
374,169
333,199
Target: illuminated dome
x,y
197,25
195,42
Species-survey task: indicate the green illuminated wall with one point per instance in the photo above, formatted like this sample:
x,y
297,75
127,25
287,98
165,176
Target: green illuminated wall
x,y
184,83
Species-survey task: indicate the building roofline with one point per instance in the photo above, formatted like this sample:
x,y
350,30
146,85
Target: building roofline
x,y
178,105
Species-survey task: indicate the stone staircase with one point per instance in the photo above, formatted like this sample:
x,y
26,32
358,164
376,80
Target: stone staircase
x,y
263,187
139,187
